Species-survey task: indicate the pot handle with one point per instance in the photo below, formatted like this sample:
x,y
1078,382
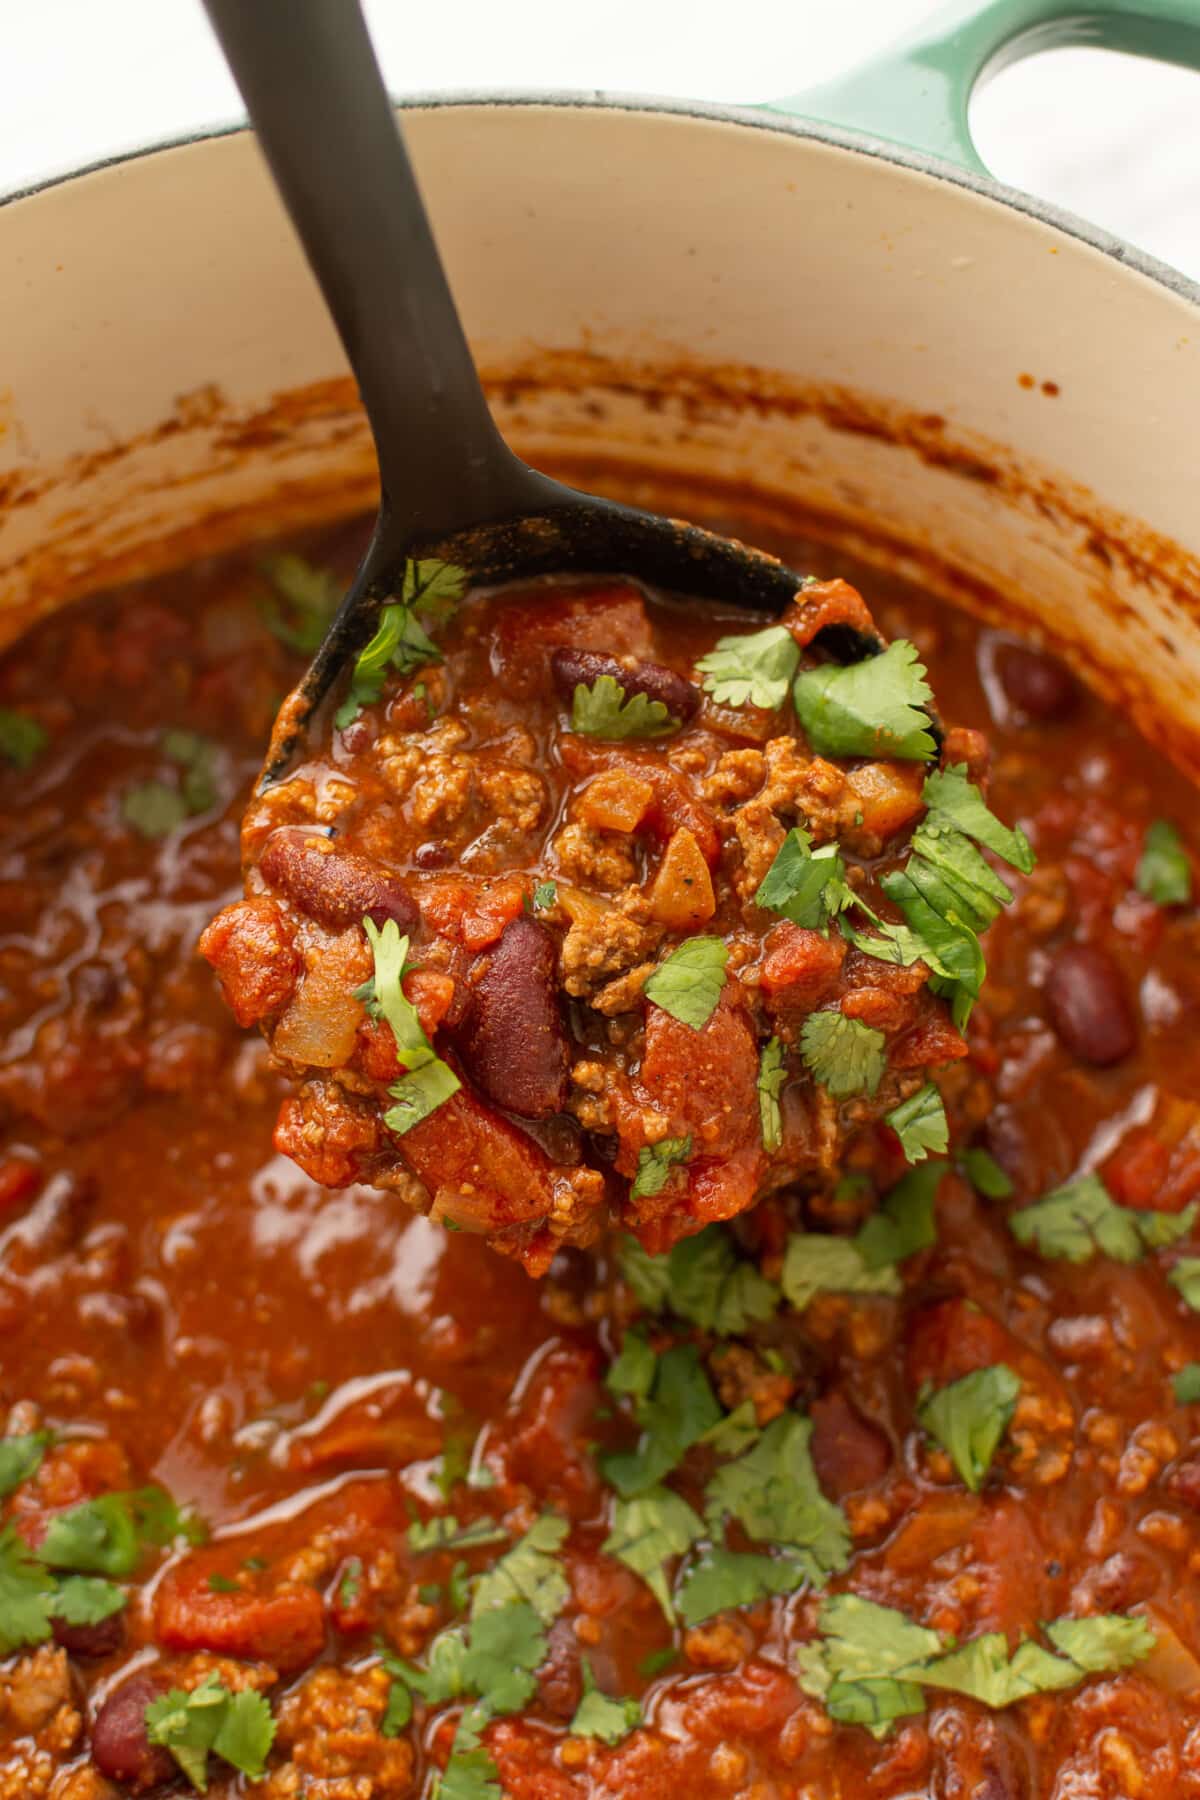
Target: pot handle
x,y
917,92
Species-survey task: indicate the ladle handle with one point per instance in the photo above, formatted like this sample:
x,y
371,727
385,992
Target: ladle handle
x,y
316,99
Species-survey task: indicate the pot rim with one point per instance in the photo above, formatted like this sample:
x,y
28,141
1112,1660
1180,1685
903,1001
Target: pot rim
x,y
758,118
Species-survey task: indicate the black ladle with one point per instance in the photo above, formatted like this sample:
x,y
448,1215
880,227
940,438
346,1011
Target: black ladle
x,y
450,486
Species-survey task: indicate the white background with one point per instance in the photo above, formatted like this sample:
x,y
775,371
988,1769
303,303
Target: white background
x,y
1112,138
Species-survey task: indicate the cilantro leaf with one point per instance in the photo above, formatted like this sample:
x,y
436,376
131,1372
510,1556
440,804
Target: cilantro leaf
x,y
196,756
1186,1384
735,1432
606,710
445,1533
26,1590
688,983
771,1077
904,1223
1103,1642
545,895
844,1055
469,1775
400,641
702,1280
953,799
805,885
985,1174
773,1493
153,809
983,1670
237,1727
420,1093
920,1124
875,707
507,1644
22,739
680,1408
530,1572
599,1716
1185,1278
384,995
97,1537
721,1579
864,1264
646,1531
754,669
969,1417
21,1458
1164,871
310,597
398,1711
634,1369
654,1165
86,1600
1080,1218
816,1264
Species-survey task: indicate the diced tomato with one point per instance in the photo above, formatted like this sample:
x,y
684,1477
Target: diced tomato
x,y
801,964
483,1172
1135,1172
931,1041
612,619
285,1628
674,805
251,947
953,1338
471,912
543,1438
1008,1562
20,1180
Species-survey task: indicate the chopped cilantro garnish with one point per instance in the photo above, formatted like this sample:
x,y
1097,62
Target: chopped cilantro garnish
x,y
429,591
735,1432
1081,1218
771,1075
865,1264
154,808
237,1727
605,710
222,1584
22,739
105,1536
418,1094
445,1533
545,895
648,1530
702,1280
309,597
530,1572
752,670
985,1174
845,1056
773,1493
26,1588
1185,1277
804,885
397,1713
86,1600
954,800
679,1408
21,1458
688,983
920,1124
875,707
720,1579
1186,1384
600,1716
634,1369
654,1165
1164,871
871,1663
969,1417
384,998
657,1660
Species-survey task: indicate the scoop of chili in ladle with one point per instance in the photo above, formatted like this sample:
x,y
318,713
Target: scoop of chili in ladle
x,y
451,488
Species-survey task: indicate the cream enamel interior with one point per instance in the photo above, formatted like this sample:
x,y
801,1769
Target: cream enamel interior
x,y
620,256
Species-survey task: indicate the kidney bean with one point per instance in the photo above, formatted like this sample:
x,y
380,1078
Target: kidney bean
x,y
334,887
121,1748
569,667
1089,1006
90,1640
1038,686
512,1040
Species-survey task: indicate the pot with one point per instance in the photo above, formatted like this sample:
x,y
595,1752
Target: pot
x,y
824,307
